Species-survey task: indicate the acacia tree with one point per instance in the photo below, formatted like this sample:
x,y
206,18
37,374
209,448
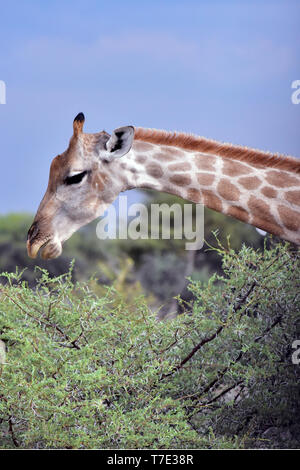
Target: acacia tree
x,y
83,371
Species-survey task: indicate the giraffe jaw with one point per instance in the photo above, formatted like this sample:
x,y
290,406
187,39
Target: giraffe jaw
x,y
50,248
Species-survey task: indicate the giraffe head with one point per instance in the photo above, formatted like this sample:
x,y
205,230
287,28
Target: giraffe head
x,y
81,185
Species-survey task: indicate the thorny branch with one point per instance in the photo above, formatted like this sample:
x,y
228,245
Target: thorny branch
x,y
223,372
11,431
46,323
210,338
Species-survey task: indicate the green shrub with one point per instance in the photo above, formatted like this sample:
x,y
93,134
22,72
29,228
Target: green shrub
x,y
83,371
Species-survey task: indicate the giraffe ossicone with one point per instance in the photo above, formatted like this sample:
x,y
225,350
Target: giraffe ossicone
x,y
256,187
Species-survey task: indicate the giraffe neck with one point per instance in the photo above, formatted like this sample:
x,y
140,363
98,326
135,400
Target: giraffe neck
x,y
265,196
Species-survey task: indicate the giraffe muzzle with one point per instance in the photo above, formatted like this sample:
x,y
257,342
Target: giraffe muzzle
x,y
50,246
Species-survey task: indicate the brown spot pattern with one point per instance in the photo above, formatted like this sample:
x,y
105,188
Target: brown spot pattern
x,y
249,182
238,213
234,152
260,210
193,195
154,169
172,152
142,146
184,166
233,168
141,159
205,162
210,200
227,190
163,157
180,180
205,179
290,218
281,179
293,197
269,192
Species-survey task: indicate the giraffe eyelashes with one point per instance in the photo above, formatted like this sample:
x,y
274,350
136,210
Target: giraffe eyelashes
x,y
75,179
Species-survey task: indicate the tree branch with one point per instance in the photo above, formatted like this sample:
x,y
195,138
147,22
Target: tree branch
x,y
208,339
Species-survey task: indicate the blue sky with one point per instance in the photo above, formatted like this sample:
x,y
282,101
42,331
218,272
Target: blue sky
x,y
221,69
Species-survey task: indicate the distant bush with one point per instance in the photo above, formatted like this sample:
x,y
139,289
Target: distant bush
x,y
83,371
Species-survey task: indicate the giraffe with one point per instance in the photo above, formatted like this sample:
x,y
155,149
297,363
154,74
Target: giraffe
x,y
256,187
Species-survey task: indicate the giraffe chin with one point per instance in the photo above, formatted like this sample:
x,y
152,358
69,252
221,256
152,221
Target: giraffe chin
x,y
50,249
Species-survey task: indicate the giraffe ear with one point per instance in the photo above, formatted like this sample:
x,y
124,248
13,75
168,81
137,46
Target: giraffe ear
x,y
118,144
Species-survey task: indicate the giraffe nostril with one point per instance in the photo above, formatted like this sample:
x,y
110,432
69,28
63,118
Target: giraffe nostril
x,y
33,231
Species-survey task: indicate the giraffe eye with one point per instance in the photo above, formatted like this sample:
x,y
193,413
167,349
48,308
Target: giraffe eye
x,y
75,178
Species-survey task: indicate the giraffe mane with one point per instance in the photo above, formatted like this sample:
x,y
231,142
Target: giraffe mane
x,y
204,145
